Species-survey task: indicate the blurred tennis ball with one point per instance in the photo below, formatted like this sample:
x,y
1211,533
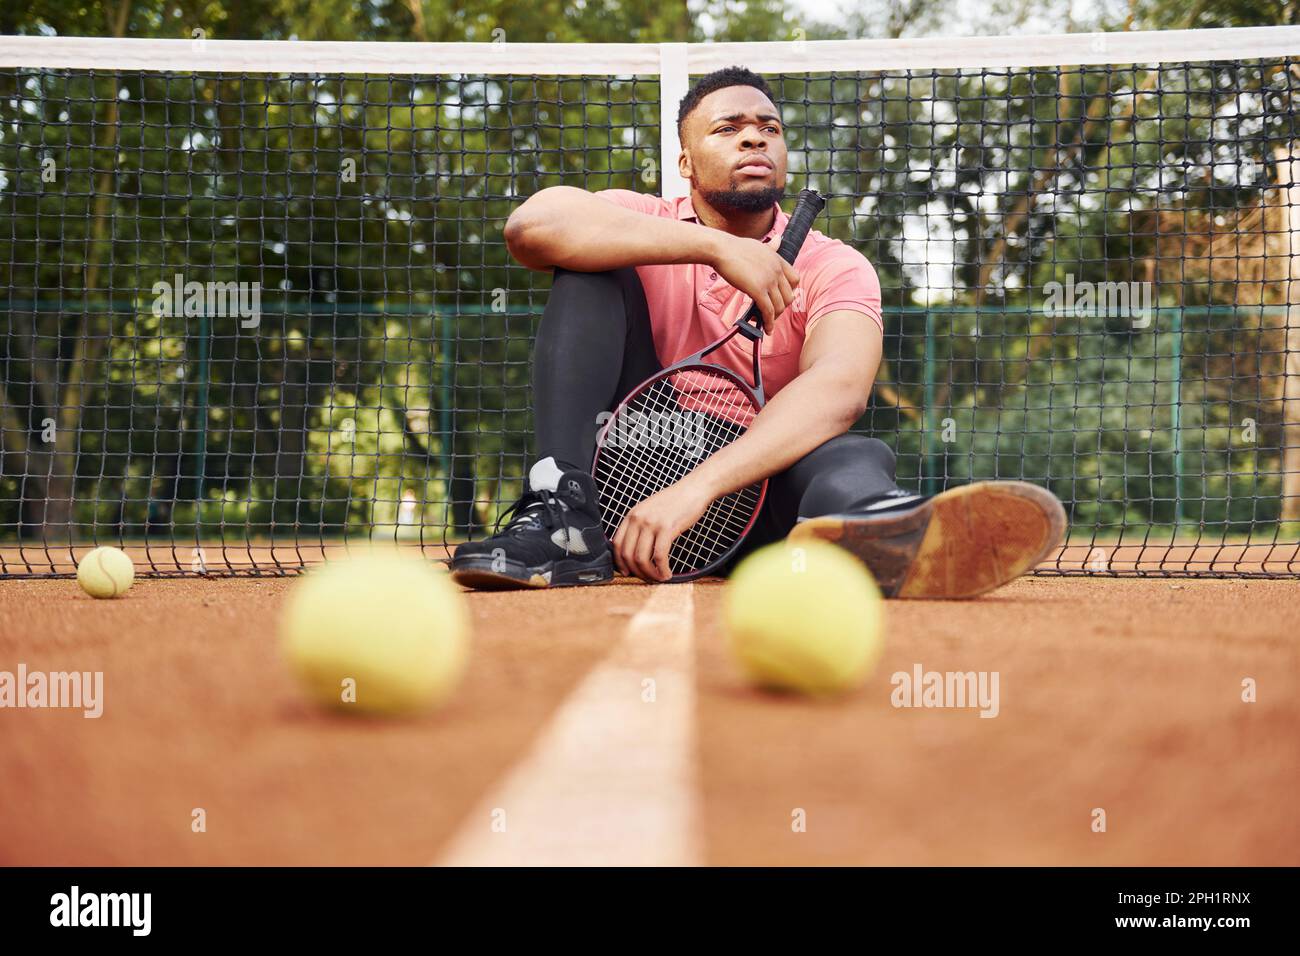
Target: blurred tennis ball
x,y
806,618
378,633
105,572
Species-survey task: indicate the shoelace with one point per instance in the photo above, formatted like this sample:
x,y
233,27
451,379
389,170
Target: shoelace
x,y
529,509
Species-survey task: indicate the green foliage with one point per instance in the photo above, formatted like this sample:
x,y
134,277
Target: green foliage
x,y
392,353
1202,14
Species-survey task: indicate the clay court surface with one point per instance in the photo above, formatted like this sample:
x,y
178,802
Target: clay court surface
x,y
608,725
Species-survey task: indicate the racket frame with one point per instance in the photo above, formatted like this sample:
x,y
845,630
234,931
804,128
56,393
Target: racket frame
x,y
754,394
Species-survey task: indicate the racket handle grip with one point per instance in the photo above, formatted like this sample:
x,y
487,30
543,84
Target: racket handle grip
x,y
806,210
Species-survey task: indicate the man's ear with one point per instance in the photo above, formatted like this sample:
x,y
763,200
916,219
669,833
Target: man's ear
x,y
684,165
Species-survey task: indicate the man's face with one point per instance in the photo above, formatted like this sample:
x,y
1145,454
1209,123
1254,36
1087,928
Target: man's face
x,y
734,150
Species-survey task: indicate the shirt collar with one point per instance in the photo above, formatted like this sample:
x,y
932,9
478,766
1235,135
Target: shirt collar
x,y
686,210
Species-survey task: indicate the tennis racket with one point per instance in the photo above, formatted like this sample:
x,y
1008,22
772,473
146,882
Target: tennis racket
x,y
680,417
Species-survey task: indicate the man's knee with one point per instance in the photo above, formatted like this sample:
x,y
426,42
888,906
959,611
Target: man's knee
x,y
567,283
593,299
854,452
610,282
843,473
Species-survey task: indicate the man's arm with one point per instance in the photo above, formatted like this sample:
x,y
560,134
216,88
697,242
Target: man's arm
x,y
570,228
837,369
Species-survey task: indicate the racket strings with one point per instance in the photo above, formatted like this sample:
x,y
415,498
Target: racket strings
x,y
659,437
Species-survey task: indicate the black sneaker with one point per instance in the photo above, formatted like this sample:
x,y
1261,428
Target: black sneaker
x,y
553,539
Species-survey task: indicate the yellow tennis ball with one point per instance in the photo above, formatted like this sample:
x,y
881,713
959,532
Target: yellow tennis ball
x,y
105,572
804,617
377,633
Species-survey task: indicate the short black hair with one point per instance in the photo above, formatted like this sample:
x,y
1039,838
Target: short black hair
x,y
719,80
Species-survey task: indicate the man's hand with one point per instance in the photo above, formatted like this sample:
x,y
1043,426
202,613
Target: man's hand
x,y
757,270
648,530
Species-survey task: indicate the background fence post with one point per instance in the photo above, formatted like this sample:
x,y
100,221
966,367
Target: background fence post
x,y
674,80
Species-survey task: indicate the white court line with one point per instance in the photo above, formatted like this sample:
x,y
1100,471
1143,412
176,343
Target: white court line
x,y
611,780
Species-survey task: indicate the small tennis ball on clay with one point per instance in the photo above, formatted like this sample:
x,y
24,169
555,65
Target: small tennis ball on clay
x,y
105,573
805,618
376,633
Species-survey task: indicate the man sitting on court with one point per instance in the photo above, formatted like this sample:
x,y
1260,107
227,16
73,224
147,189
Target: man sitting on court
x,y
642,282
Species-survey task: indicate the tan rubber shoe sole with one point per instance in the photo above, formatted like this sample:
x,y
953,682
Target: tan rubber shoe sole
x,y
481,580
961,543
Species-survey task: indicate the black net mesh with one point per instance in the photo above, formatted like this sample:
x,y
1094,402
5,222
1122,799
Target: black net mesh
x,y
246,318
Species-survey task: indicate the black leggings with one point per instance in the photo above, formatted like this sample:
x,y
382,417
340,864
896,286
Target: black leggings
x,y
595,345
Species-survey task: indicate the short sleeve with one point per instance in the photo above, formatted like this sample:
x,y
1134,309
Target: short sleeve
x,y
842,279
637,202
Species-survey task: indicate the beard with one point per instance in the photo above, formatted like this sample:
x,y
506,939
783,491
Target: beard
x,y
733,200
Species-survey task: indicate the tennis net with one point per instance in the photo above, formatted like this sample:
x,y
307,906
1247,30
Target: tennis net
x,y
256,304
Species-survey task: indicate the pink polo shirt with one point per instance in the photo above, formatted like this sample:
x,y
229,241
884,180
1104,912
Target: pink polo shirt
x,y
692,306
